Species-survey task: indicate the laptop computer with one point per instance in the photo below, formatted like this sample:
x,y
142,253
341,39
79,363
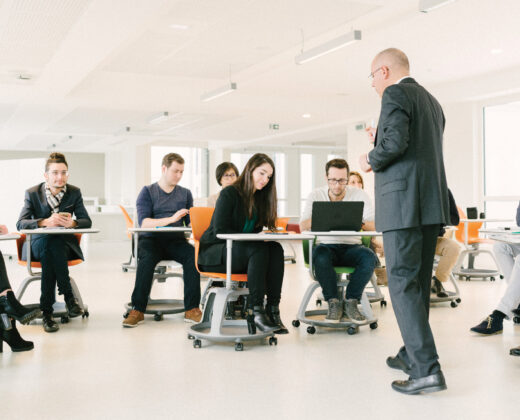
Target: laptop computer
x,y
337,215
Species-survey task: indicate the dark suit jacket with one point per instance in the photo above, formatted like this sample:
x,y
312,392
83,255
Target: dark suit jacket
x,y
229,217
36,208
410,181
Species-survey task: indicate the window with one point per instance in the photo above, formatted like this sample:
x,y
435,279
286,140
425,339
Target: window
x,y
306,177
501,152
281,183
195,165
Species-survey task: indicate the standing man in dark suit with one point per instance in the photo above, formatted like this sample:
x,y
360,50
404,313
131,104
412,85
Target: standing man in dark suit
x,y
52,204
411,198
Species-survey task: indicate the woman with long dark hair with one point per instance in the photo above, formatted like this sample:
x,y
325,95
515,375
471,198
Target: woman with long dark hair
x,y
246,207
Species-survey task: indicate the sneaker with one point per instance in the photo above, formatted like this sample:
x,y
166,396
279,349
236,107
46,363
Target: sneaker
x,y
350,308
73,307
335,310
133,319
193,315
49,324
491,325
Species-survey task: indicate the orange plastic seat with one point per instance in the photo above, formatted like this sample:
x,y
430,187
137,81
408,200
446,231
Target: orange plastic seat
x,y
128,220
473,228
36,264
200,220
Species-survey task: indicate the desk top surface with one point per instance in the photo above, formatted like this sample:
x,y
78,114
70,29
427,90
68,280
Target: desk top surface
x,y
514,230
160,229
9,236
344,233
54,231
485,220
263,236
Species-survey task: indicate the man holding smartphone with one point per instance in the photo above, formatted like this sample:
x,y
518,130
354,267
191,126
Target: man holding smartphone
x,y
51,204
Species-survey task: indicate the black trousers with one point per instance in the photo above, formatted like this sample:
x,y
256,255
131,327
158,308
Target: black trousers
x,y
153,250
264,264
53,252
4,280
409,261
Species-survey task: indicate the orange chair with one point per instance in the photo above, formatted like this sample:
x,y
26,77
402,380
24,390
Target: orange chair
x,y
214,326
471,242
59,308
281,225
130,265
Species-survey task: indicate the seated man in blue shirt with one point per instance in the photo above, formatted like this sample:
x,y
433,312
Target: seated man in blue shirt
x,y
165,203
341,250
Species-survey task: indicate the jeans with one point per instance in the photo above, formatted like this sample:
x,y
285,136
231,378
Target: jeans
x,y
508,258
53,253
153,250
263,262
326,256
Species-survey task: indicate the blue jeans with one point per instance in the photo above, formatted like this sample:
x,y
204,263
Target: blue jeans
x,y
326,256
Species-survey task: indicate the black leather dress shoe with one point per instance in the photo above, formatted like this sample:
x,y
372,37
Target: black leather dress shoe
x,y
73,308
49,324
398,363
515,351
431,383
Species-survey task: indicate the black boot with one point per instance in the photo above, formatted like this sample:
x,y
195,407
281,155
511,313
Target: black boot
x,y
273,313
250,318
73,307
10,305
261,319
15,341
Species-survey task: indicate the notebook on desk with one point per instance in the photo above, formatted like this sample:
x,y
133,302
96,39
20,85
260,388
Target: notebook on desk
x,y
337,216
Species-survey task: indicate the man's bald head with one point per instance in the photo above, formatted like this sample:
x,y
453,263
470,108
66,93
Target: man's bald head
x,y
388,67
393,58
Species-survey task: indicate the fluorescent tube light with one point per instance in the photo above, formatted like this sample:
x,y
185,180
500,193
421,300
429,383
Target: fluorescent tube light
x,y
224,90
426,6
162,117
328,47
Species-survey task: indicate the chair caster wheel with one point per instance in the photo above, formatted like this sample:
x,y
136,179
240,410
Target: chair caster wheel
x,y
273,340
516,319
239,346
86,315
458,300
453,304
191,337
296,323
373,325
383,303
197,344
311,330
318,302
353,330
158,317
125,315
492,279
125,270
64,319
501,277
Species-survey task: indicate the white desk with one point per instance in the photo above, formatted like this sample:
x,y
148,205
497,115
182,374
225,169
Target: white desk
x,y
511,236
230,237
137,231
9,236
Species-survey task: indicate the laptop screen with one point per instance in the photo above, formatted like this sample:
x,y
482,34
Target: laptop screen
x,y
337,215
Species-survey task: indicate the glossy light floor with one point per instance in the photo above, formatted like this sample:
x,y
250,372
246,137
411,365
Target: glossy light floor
x,y
94,368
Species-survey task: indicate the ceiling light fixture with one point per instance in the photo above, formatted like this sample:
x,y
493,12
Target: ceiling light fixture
x,y
328,47
157,119
306,115
496,51
224,90
426,6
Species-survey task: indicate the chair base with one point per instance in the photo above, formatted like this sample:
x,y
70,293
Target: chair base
x,y
215,328
59,308
478,273
471,272
316,318
160,307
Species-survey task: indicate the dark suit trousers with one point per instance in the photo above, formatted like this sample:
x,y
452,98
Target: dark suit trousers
x,y
53,253
409,257
153,250
4,280
264,264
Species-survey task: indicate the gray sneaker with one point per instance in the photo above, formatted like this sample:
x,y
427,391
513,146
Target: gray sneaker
x,y
335,310
350,308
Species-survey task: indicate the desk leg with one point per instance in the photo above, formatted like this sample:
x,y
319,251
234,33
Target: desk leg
x,y
29,269
311,244
229,247
136,241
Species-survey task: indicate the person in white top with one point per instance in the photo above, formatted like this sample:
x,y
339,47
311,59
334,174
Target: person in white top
x,y
348,251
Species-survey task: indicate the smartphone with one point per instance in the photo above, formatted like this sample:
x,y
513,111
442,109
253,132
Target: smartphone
x,y
64,213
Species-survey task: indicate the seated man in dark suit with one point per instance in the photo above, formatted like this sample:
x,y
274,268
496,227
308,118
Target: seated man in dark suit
x,y
52,204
